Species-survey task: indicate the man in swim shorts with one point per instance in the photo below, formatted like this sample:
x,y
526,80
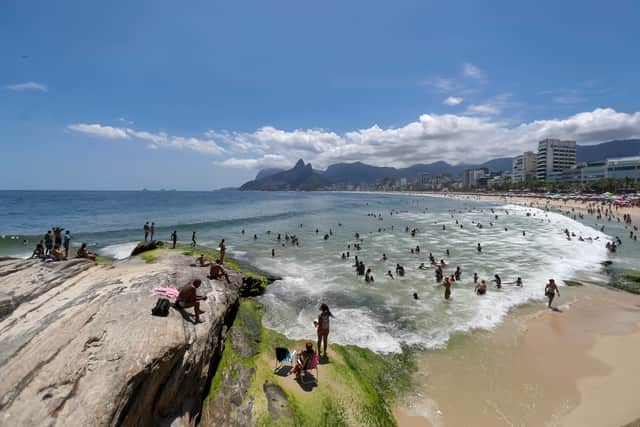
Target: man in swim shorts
x,y
188,297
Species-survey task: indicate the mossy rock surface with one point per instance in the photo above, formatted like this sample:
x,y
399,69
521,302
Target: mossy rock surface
x,y
572,283
355,386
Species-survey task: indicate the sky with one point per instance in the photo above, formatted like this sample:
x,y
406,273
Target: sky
x,y
201,95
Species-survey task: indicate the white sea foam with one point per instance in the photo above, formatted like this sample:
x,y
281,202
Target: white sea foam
x,y
384,316
118,251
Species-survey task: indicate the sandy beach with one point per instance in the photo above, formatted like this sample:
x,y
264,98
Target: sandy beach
x,y
572,367
579,206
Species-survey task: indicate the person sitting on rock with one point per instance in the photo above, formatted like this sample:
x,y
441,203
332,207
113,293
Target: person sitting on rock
x,y
57,254
83,252
203,261
188,297
304,358
216,271
38,252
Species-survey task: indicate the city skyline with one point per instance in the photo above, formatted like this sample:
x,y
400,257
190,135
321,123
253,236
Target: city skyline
x,y
203,97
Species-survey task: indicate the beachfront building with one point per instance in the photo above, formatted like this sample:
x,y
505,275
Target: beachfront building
x,y
524,167
624,167
554,156
472,177
582,173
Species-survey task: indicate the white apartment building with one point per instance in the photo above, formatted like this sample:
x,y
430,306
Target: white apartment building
x,y
554,156
524,167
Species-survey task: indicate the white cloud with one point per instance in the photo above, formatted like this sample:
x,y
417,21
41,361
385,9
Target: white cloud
x,y
155,140
99,130
472,71
266,161
433,137
469,138
123,120
27,86
453,100
489,109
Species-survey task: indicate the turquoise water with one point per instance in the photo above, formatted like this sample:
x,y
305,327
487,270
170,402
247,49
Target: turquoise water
x,y
382,316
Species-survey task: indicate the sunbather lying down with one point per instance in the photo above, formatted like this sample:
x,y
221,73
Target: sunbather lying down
x,y
304,358
188,297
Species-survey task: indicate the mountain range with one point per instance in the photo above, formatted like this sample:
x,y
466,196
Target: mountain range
x,y
300,177
304,177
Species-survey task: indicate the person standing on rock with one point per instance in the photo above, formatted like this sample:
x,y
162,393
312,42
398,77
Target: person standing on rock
x,y
66,242
48,242
223,250
146,230
152,229
188,297
174,238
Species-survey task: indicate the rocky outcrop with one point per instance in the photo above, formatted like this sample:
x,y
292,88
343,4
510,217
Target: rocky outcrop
x,y
147,245
79,347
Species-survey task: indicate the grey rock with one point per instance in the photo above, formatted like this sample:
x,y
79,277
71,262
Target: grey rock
x,y
79,347
276,401
145,246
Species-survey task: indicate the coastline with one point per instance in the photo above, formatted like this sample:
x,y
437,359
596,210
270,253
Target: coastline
x,y
575,367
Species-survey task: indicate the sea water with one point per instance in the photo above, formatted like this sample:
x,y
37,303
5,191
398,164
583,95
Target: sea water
x,y
383,315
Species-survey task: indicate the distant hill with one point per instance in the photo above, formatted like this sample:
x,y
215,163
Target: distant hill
x,y
611,149
267,172
301,177
361,173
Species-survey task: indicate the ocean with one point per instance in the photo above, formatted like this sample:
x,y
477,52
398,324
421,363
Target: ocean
x,y
383,315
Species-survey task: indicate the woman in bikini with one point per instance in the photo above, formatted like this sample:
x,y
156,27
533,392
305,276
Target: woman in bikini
x,y
322,326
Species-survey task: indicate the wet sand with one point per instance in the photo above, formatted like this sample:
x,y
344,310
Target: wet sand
x,y
574,367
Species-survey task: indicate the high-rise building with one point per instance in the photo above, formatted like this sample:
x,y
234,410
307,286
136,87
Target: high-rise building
x,y
471,177
554,156
524,167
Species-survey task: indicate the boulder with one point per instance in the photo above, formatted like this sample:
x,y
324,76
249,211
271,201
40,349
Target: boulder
x,y
147,245
79,346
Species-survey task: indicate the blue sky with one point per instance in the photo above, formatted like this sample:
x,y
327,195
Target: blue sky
x,y
202,94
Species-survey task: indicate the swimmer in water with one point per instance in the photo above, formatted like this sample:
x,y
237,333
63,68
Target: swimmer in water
x,y
389,274
415,295
481,288
498,281
447,288
458,273
475,277
479,248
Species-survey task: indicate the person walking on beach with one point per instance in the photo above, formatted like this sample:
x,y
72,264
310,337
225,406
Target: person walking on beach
x,y
223,250
174,239
152,229
146,229
322,326
66,242
193,239
551,290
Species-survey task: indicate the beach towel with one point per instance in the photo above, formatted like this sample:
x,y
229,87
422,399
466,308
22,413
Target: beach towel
x,y
165,291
